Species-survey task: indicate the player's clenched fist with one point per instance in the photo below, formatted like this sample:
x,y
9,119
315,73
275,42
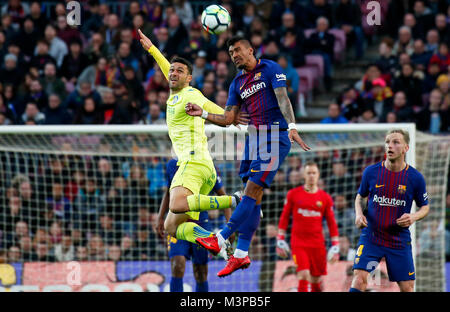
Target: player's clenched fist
x,y
145,41
361,221
193,109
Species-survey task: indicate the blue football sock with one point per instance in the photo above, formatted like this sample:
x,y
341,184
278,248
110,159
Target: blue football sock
x,y
176,284
240,214
354,290
248,228
202,287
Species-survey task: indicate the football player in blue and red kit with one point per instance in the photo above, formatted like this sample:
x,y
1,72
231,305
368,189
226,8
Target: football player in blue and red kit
x,y
389,189
259,89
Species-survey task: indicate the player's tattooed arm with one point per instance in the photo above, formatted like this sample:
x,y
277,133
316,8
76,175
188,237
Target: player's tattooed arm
x,y
360,205
285,104
288,114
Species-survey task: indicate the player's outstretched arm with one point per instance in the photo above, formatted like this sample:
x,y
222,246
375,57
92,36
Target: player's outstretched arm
x,y
223,120
288,114
147,44
360,219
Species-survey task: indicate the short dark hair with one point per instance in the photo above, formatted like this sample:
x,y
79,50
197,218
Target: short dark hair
x,y
238,38
182,60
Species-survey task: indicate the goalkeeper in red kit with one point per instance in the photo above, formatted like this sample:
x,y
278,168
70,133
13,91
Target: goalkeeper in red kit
x,y
308,205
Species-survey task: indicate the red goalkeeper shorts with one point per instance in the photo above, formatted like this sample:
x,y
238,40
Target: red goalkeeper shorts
x,y
312,259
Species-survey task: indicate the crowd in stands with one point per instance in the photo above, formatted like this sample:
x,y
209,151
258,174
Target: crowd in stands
x,y
97,73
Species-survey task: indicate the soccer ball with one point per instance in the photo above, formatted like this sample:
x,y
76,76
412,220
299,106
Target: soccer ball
x,y
215,19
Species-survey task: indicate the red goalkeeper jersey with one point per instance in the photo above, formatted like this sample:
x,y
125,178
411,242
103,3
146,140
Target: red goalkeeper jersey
x,y
308,211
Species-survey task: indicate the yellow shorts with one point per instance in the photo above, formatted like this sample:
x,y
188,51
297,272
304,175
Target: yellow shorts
x,y
197,177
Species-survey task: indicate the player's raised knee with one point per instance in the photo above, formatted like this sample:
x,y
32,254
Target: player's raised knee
x,y
170,228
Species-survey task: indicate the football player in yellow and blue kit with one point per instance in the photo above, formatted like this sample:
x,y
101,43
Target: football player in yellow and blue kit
x,y
180,250
196,174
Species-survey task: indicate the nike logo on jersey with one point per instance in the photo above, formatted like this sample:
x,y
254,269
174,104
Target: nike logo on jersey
x,y
410,273
378,186
251,170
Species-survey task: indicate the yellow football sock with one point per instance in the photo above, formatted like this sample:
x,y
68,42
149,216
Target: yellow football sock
x,y
199,202
189,231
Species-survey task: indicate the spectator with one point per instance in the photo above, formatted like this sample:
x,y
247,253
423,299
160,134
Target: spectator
x,y
36,95
334,115
89,113
26,248
146,246
64,251
112,112
32,113
42,253
322,43
73,64
51,83
60,204
340,181
41,56
440,23
88,204
417,30
348,18
104,176
126,248
346,253
368,115
387,61
81,253
280,7
292,79
14,254
57,47
94,21
114,253
423,14
55,114
291,43
221,98
401,107
442,57
420,58
405,42
431,75
96,249
345,216
111,30
314,10
409,82
10,73
65,32
434,117
199,68
39,20
8,112
432,41
183,9
107,231
76,98
97,48
351,104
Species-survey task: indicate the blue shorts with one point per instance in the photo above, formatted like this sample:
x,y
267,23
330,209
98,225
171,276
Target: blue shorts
x,y
194,252
263,157
399,262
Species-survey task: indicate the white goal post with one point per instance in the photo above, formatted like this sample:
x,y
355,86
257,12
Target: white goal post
x,y
48,156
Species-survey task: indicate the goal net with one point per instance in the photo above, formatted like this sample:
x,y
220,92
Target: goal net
x,y
78,207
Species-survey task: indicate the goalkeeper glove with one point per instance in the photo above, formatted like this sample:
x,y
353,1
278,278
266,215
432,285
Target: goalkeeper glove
x,y
283,249
332,252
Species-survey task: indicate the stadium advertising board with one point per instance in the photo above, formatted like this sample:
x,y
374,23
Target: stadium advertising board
x,y
122,276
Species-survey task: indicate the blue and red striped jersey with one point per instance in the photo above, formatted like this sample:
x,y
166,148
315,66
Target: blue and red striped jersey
x,y
390,195
254,92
